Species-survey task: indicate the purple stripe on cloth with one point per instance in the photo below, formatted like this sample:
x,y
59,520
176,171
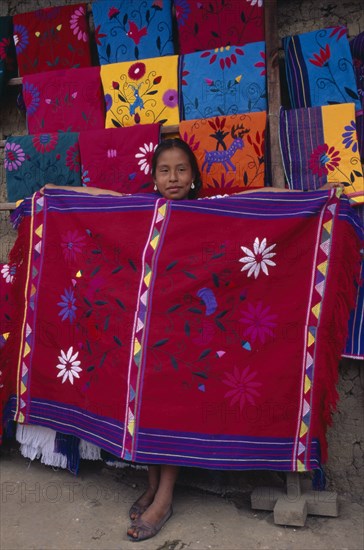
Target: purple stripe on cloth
x,y
301,132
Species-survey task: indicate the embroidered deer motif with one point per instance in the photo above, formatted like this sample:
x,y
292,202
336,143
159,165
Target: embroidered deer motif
x,y
138,102
224,157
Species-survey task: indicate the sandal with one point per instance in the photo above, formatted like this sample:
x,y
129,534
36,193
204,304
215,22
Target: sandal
x,y
137,510
147,530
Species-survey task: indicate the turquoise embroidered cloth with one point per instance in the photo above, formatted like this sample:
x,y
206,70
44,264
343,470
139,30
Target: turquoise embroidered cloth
x,y
32,161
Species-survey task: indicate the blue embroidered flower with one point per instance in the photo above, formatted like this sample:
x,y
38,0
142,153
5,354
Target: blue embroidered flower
x,y
182,11
350,138
68,305
21,38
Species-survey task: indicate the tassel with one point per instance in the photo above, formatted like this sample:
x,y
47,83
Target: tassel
x,y
319,480
68,445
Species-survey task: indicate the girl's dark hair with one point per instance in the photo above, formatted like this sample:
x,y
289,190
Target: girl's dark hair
x,y
180,144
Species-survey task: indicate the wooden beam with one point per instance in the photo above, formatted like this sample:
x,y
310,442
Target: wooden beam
x,y
274,91
7,205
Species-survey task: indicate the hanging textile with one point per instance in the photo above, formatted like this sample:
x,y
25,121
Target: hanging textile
x,y
67,100
319,145
357,50
319,68
141,93
119,158
51,39
129,326
224,82
207,25
132,29
229,151
32,161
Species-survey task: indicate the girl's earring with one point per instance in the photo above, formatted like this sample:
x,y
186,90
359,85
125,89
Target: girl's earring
x,y
155,187
192,185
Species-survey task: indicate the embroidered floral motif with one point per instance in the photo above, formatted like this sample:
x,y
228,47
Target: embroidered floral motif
x,y
21,38
31,98
260,322
137,71
72,244
170,98
322,58
78,24
8,272
258,259
67,304
68,367
262,64
182,10
244,388
350,137
145,157
73,160
228,60
324,159
14,156
45,142
258,3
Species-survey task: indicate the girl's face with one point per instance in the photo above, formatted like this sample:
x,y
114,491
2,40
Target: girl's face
x,y
173,175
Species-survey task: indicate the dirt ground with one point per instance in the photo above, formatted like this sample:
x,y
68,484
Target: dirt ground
x,y
43,508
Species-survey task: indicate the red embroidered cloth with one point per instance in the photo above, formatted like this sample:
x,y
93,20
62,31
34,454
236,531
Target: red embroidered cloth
x,y
206,25
173,332
51,39
119,158
66,100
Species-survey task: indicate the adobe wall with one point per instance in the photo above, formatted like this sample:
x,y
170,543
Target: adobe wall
x,y
345,468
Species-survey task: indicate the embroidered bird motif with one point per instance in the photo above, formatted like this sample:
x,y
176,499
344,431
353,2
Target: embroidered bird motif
x,y
135,33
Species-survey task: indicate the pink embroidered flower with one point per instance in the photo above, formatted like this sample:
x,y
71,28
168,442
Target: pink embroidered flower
x,y
170,98
72,244
339,31
244,388
14,156
73,160
45,142
323,160
136,71
78,24
260,322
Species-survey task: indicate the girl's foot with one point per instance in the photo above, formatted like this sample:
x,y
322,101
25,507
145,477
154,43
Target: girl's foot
x,y
150,522
142,504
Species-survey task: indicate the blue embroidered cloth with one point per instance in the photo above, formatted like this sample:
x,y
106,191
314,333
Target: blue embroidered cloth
x,y
319,68
132,29
32,161
224,82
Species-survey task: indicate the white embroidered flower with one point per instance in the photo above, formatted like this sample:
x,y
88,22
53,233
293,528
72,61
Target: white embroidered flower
x,y
258,258
68,366
259,3
145,157
8,272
